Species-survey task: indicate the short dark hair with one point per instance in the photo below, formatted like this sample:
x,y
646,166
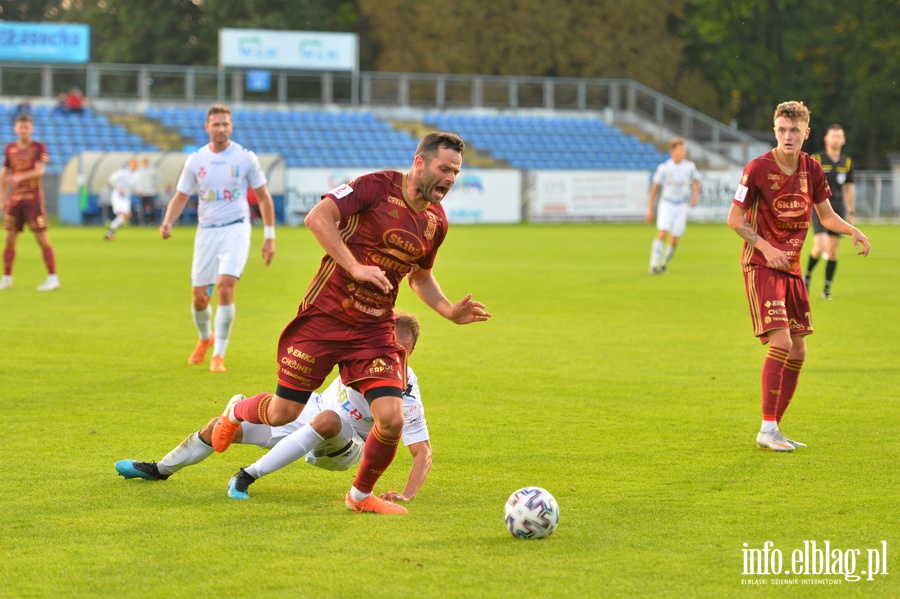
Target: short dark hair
x,y
24,117
218,109
834,127
436,140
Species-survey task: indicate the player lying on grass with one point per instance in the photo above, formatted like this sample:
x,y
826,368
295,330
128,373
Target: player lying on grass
x,y
330,433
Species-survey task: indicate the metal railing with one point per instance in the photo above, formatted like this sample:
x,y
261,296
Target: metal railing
x,y
618,101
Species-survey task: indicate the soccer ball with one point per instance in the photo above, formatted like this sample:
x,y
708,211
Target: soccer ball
x,y
531,513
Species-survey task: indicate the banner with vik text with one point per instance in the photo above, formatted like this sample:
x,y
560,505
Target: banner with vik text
x,y
300,50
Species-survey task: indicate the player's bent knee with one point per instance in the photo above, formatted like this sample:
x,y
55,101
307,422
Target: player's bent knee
x,y
327,423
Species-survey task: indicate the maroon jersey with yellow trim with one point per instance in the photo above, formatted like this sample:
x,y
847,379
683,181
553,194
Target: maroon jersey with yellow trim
x,y
381,228
19,160
779,205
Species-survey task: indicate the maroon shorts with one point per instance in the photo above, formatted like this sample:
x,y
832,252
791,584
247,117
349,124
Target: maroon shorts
x,y
314,342
20,213
778,300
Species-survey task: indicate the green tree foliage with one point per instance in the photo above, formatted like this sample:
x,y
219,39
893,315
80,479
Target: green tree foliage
x,y
732,59
841,59
566,38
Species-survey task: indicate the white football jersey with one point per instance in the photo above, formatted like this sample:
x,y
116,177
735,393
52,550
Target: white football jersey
x,y
221,180
352,407
123,182
676,180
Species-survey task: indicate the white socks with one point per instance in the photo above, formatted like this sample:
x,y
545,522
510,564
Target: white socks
x,y
224,320
669,252
201,321
656,252
357,495
288,450
117,222
768,426
191,451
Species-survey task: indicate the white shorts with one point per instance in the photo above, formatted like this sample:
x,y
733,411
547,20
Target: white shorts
x,y
120,204
220,251
338,453
672,217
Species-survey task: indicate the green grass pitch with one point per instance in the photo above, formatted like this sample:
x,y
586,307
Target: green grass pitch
x,y
632,398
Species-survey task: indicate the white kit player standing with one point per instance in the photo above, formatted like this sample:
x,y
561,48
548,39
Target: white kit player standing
x,y
220,172
680,183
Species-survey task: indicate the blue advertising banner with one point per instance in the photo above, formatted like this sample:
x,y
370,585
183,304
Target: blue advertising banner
x,y
45,42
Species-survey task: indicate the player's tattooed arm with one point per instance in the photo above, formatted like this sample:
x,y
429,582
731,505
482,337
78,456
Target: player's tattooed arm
x,y
748,234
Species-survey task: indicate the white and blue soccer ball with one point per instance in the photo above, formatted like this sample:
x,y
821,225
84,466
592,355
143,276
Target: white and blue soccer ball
x,y
531,513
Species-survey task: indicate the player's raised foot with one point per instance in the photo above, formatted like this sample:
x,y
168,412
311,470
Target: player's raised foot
x,y
238,485
217,364
227,425
773,440
49,285
6,283
199,353
796,444
374,504
826,295
135,469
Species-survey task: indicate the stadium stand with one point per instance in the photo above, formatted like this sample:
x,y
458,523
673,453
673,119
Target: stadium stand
x,y
305,138
323,139
320,139
551,143
69,134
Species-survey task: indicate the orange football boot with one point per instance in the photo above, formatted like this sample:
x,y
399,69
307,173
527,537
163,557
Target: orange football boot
x,y
375,504
199,353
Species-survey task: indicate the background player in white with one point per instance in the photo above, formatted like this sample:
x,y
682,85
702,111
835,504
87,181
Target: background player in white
x,y
330,433
680,182
220,172
123,183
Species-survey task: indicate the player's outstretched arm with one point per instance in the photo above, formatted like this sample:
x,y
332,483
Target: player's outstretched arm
x,y
421,453
429,291
267,211
833,221
173,213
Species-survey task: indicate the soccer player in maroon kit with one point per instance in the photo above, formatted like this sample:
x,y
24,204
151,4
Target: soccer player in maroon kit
x,y
24,161
771,213
389,226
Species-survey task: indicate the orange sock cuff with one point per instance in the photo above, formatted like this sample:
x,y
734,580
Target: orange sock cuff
x,y
778,354
383,439
795,365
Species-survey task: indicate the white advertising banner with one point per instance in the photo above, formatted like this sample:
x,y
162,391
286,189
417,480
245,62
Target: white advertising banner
x,y
557,196
716,191
479,196
303,50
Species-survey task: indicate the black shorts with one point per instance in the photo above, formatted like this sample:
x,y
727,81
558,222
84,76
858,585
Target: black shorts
x,y
840,208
